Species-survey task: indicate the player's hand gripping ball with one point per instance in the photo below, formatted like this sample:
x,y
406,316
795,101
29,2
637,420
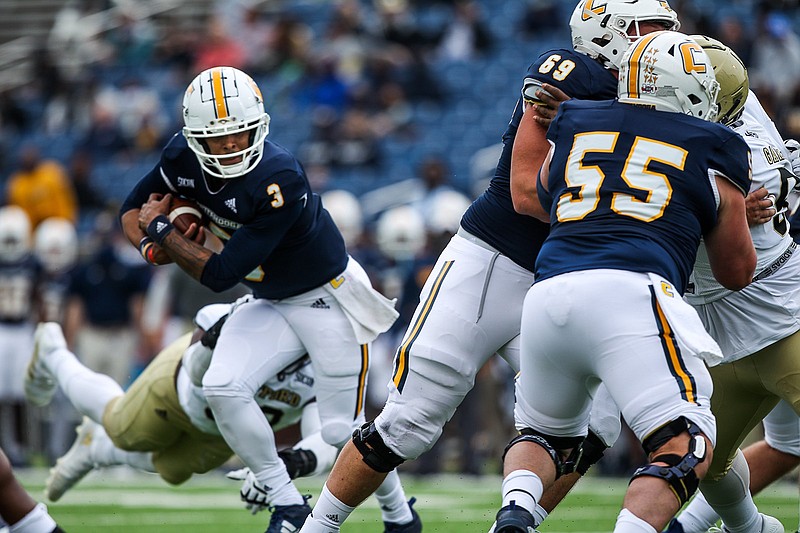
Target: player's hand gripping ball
x,y
183,213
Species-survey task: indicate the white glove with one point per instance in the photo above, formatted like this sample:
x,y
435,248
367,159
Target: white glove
x,y
254,494
793,147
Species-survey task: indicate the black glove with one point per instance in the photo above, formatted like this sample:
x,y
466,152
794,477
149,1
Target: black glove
x,y
209,338
299,462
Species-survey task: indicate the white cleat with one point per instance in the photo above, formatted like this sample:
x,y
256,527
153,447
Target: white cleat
x,y
40,384
770,524
73,465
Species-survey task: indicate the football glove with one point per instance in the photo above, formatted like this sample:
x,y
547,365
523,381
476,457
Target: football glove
x,y
299,462
254,494
793,147
209,338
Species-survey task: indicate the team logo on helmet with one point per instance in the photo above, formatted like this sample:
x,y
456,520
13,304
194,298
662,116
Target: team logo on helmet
x,y
590,8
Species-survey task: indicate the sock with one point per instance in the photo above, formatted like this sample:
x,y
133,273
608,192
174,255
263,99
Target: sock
x,y
34,522
730,497
698,515
392,500
539,515
87,390
627,522
329,512
523,487
283,490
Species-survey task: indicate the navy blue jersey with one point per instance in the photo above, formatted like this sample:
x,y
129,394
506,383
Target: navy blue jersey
x,y
279,241
629,188
492,217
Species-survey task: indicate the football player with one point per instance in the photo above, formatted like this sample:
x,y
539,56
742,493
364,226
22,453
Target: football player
x,y
758,328
470,306
282,244
163,423
630,186
19,278
778,454
18,509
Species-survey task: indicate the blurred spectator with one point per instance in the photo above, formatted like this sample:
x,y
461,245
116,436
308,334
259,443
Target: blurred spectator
x,y
75,36
433,177
13,118
18,279
104,310
136,110
132,39
41,187
104,138
287,54
218,48
732,32
342,143
778,46
247,25
542,17
80,170
467,35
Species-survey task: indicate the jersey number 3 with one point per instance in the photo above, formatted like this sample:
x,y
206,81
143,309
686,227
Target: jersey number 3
x,y
584,181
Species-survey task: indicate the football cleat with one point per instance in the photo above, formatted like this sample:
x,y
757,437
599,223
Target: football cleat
x,y
40,384
73,465
769,524
514,519
415,526
288,518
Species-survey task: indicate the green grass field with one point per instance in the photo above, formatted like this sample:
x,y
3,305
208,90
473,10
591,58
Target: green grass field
x,y
124,502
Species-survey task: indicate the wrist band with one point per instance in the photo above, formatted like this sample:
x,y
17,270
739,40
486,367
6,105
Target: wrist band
x,y
147,249
159,228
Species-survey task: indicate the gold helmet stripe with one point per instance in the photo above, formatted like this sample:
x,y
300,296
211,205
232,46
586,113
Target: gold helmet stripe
x,y
634,69
218,92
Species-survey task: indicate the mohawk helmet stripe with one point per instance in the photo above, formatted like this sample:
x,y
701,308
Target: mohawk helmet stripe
x,y
218,90
639,48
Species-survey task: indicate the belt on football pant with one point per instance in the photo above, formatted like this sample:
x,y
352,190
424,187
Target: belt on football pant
x,y
778,263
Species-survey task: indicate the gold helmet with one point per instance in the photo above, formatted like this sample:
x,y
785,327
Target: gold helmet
x,y
731,75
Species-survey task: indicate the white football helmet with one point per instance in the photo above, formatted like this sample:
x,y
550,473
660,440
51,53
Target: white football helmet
x,y
221,101
400,233
669,71
55,244
15,233
603,29
446,210
730,72
345,210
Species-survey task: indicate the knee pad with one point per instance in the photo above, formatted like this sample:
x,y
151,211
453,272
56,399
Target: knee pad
x,y
551,445
679,473
593,449
374,451
336,433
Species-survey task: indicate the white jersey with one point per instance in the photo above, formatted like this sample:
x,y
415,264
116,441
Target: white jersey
x,y
281,398
772,170
768,309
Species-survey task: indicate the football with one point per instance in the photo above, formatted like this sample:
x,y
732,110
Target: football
x,y
183,213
